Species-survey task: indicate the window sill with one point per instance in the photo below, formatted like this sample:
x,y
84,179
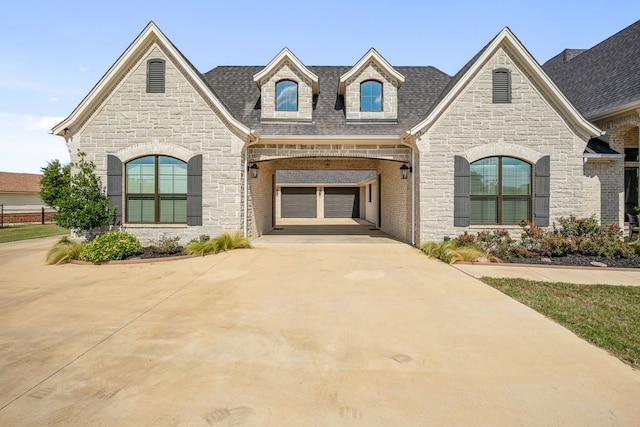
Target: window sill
x,y
495,226
153,225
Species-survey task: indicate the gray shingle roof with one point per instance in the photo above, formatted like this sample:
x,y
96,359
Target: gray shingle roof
x,y
603,78
598,146
236,88
352,177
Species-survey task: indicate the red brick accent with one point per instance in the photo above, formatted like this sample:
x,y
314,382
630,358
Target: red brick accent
x,y
10,218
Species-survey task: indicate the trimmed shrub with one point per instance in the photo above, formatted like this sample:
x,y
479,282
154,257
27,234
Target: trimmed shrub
x,y
113,245
63,251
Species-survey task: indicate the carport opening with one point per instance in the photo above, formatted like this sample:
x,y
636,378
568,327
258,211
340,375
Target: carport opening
x,y
327,197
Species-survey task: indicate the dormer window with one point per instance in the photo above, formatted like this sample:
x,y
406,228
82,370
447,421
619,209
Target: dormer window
x,y
286,96
501,87
371,96
155,76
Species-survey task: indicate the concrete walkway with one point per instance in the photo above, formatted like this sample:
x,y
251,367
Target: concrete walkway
x,y
290,335
582,276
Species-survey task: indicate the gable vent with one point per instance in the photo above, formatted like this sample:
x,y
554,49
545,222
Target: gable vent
x,y
501,87
155,76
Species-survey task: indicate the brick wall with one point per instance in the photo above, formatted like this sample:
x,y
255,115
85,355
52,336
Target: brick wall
x,y
25,217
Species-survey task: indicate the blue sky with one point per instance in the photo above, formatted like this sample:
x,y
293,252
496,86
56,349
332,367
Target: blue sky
x,y
54,52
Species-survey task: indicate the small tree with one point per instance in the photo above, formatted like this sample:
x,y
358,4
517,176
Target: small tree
x,y
79,198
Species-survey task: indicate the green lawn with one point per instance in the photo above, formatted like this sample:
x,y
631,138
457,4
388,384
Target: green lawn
x,y
607,316
12,233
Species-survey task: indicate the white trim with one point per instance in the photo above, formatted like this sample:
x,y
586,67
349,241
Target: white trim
x,y
286,54
371,55
507,37
150,34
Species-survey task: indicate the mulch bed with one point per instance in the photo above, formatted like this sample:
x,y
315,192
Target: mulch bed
x,y
578,261
149,252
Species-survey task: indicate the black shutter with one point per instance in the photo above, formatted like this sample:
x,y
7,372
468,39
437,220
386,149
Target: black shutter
x,y
501,87
194,190
114,186
155,76
461,192
542,192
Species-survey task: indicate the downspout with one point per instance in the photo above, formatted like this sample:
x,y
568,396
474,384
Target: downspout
x,y
252,139
413,188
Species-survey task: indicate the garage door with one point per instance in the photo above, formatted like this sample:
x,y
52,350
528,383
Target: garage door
x,y
342,202
298,202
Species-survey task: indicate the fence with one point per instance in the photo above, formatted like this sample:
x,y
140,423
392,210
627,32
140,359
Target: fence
x,y
19,215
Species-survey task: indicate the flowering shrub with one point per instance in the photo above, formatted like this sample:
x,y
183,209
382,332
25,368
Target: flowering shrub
x,y
497,243
110,246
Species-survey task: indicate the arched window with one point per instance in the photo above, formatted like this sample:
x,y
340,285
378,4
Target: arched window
x,y
286,96
500,190
156,190
155,76
371,96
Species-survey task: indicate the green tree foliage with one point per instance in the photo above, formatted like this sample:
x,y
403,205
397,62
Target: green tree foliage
x,y
78,198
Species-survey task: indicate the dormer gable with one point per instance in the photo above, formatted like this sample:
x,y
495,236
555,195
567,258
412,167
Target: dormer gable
x,y
370,89
287,89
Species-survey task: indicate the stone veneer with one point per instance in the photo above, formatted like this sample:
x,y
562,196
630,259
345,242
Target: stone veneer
x,y
473,127
389,95
130,123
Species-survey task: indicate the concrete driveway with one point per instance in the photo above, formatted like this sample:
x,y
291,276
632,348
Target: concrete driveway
x,y
290,335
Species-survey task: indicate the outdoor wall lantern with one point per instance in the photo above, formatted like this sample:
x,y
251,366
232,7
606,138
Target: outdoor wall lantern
x,y
254,170
404,171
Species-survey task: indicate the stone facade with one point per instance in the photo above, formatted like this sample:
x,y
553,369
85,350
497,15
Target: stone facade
x,y
131,123
188,120
389,95
474,127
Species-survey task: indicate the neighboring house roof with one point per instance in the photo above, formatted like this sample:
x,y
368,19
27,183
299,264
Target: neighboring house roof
x,y
349,177
236,87
509,41
604,79
11,182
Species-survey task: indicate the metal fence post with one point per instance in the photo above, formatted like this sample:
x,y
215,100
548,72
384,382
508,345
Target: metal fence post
x,y
1,215
42,215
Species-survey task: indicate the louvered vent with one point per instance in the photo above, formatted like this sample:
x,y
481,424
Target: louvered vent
x,y
501,87
155,76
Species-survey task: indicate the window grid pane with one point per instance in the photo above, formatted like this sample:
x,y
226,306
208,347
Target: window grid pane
x,y
483,210
515,209
500,191
165,197
371,96
286,96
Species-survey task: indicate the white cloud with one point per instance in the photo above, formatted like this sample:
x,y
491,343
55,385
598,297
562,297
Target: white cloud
x,y
53,100
83,68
